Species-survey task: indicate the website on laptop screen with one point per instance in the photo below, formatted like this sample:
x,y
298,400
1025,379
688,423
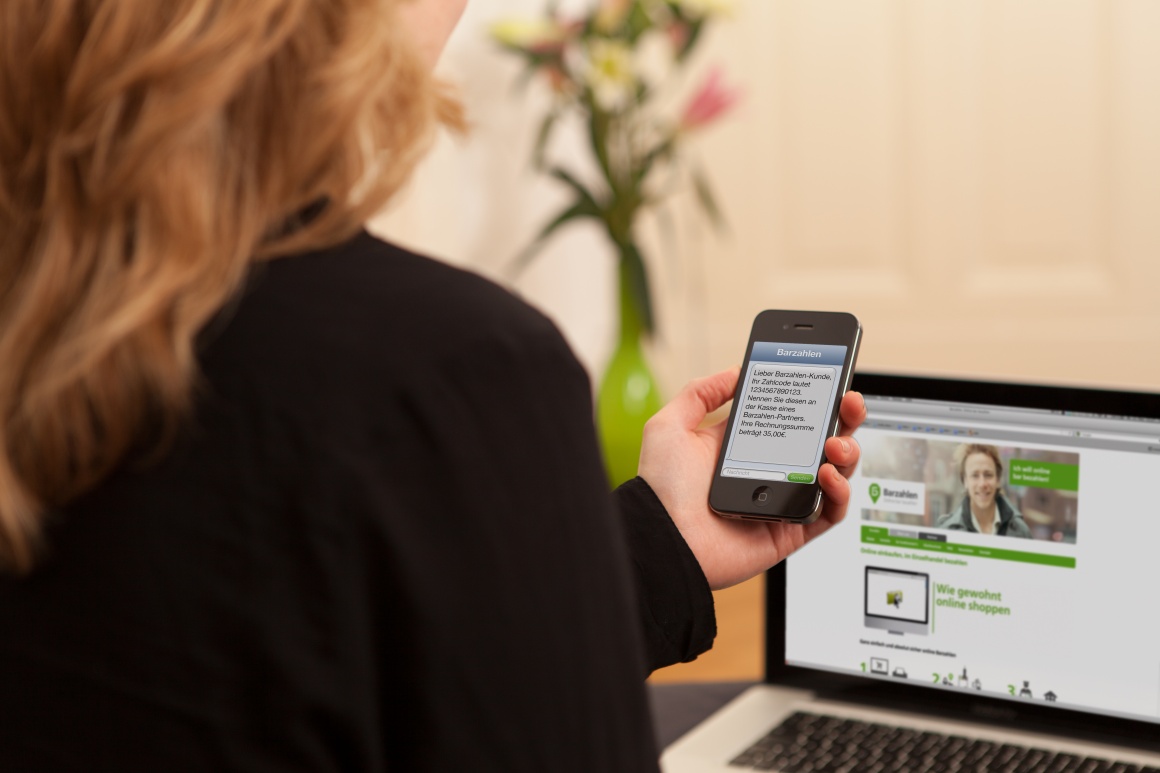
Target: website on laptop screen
x,y
1009,551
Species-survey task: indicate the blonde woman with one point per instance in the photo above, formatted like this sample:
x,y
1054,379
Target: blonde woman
x,y
275,495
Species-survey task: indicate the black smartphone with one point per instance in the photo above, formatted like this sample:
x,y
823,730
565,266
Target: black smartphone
x,y
797,368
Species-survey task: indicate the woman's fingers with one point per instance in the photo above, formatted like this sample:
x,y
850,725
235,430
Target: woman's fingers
x,y
852,412
836,491
844,453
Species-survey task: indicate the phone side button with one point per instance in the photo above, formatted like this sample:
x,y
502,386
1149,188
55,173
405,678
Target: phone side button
x,y
761,496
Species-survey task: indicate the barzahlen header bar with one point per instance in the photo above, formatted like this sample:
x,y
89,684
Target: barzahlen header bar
x,y
798,354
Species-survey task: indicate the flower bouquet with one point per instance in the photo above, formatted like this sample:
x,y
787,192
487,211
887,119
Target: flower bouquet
x,y
615,69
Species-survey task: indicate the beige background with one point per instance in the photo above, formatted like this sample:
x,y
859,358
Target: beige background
x,y
978,181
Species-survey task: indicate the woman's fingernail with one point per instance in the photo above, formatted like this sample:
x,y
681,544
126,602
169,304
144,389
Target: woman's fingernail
x,y
845,445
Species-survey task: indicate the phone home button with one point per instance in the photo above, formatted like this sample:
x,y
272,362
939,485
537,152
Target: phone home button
x,y
761,496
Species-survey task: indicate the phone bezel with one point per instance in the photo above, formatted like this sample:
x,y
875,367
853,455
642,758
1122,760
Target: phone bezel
x,y
796,502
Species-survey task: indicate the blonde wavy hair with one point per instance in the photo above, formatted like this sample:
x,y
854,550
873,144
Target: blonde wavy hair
x,y
150,152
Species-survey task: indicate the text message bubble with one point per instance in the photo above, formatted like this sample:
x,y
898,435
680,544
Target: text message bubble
x,y
783,413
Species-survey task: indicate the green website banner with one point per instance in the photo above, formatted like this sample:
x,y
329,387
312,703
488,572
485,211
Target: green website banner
x,y
1025,472
876,535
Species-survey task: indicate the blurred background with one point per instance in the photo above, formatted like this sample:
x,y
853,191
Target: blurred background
x,y
979,182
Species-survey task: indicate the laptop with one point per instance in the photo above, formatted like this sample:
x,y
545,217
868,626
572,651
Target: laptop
x,y
990,602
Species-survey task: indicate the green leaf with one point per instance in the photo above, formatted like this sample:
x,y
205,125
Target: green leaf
x,y
695,29
707,200
542,137
598,125
638,22
579,209
582,193
638,285
663,151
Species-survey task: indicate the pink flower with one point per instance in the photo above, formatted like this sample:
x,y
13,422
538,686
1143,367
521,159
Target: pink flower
x,y
710,102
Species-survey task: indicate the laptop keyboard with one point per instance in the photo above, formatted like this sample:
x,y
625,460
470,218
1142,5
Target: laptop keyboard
x,y
809,743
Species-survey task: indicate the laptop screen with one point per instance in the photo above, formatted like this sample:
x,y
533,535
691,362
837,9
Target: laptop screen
x,y
1008,552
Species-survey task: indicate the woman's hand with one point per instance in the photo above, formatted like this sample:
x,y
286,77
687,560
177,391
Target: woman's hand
x,y
678,459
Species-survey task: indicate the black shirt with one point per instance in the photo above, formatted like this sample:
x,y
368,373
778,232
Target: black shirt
x,y
383,541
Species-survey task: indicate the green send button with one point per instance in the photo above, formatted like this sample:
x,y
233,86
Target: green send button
x,y
800,477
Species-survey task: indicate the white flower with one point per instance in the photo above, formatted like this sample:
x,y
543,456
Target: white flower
x,y
653,58
611,14
528,34
698,9
610,73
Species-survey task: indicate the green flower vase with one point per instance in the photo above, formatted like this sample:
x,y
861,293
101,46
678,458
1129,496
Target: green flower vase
x,y
628,392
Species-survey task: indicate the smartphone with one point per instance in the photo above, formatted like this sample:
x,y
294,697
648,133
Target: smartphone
x,y
797,367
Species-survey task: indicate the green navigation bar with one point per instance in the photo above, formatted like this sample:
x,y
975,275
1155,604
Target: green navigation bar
x,y
1064,477
876,535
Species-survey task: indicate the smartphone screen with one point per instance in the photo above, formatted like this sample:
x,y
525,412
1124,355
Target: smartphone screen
x,y
787,399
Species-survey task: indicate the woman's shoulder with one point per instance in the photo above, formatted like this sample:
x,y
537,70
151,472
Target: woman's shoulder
x,y
367,313
375,298
388,281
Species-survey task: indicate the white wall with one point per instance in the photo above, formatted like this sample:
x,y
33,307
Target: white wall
x,y
978,181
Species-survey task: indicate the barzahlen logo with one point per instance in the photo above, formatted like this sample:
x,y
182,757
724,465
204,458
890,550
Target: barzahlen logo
x,y
899,496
